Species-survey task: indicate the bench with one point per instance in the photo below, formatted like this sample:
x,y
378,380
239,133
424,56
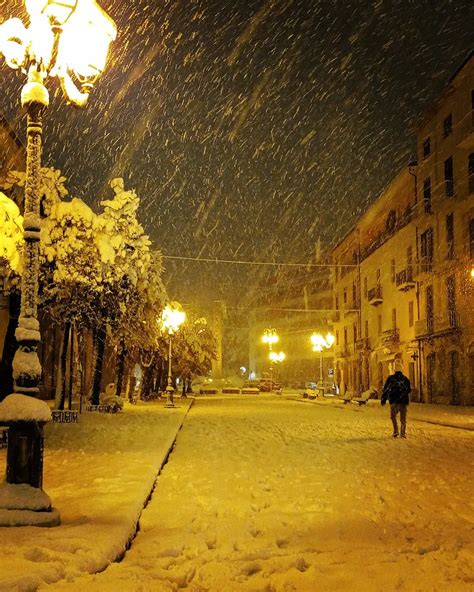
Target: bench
x,y
347,398
64,416
101,408
364,397
208,391
250,390
230,390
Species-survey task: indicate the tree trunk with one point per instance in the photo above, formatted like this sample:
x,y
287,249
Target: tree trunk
x,y
147,380
71,366
9,345
61,377
121,359
100,337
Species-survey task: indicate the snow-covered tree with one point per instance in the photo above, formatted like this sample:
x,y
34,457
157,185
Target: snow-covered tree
x,y
194,349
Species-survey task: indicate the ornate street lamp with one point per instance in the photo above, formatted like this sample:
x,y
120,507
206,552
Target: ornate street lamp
x,y
321,343
67,39
270,337
171,320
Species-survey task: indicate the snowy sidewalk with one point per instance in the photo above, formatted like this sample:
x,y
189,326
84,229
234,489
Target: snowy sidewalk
x,y
99,474
443,415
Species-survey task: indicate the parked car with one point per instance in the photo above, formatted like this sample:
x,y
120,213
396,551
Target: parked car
x,y
263,384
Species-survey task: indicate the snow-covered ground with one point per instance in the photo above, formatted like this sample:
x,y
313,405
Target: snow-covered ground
x,y
267,494
98,474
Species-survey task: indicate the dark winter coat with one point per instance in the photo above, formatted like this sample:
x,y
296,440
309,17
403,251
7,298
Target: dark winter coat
x,y
397,389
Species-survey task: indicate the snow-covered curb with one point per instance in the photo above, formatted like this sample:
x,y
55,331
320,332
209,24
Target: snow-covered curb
x,y
99,474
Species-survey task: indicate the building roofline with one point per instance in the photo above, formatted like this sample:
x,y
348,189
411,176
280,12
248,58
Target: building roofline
x,y
393,181
429,111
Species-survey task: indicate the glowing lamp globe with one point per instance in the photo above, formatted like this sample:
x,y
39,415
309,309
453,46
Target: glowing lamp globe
x,y
84,44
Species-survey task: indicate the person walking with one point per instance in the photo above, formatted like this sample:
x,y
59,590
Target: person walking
x,y
397,390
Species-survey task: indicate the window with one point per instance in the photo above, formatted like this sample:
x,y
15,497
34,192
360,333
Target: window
x,y
354,295
379,324
470,173
450,235
345,295
410,314
337,303
427,194
345,335
451,299
394,318
448,125
366,329
427,250
427,147
448,177
365,287
337,337
354,332
392,270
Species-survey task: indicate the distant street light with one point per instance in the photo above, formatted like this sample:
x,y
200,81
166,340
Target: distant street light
x,y
321,343
171,320
67,39
270,337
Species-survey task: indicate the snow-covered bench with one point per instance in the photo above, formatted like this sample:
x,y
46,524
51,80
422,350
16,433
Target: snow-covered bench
x,y
64,416
231,390
347,397
208,391
364,397
250,390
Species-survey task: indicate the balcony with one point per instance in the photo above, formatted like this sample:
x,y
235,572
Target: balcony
x,y
447,322
404,280
374,296
390,338
363,344
421,328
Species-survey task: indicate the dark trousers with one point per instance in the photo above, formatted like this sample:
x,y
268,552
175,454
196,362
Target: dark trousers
x,y
395,409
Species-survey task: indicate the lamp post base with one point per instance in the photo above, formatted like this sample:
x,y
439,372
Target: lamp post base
x,y
29,518
24,505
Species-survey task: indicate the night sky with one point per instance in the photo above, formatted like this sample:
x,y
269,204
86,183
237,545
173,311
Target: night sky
x,y
251,129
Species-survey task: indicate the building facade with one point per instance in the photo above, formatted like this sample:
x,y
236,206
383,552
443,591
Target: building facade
x,y
403,276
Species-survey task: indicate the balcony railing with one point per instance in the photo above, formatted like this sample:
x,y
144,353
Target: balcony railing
x,y
404,279
374,296
390,337
447,322
437,325
363,344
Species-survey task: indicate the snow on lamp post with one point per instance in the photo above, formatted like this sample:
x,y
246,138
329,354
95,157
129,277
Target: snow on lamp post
x,y
321,343
270,337
171,320
67,39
